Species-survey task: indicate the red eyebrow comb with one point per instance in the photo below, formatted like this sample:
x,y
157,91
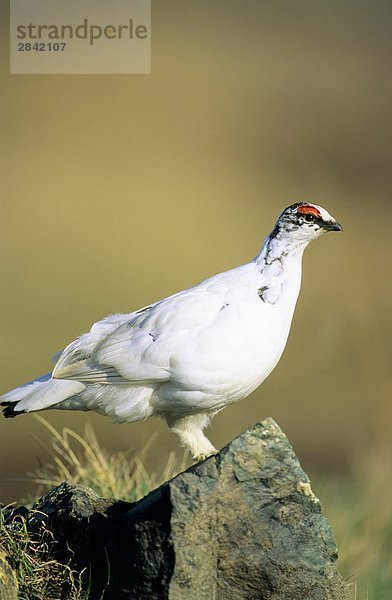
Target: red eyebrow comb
x,y
305,209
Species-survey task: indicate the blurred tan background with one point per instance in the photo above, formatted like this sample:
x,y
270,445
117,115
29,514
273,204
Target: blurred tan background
x,y
120,190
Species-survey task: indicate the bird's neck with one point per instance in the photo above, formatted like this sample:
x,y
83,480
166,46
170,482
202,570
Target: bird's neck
x,y
279,263
280,247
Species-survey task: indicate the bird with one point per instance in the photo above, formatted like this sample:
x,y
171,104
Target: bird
x,y
186,357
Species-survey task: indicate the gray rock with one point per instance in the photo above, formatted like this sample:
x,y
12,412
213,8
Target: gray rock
x,y
241,525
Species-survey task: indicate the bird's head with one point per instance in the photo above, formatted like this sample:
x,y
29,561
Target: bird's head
x,y
305,222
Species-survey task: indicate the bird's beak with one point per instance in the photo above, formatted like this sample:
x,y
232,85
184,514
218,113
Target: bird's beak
x,y
332,226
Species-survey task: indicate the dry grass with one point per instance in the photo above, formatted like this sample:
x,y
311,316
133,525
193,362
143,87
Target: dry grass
x,y
39,575
82,460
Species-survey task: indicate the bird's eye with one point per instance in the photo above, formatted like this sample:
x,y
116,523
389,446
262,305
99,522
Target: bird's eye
x,y
309,217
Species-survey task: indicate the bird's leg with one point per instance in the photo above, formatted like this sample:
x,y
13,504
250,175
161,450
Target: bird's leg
x,y
190,431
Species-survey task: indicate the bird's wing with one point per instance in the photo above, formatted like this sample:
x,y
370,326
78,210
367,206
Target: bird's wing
x,y
138,347
74,362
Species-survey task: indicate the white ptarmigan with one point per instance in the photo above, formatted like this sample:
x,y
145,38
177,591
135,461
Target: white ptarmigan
x,y
188,356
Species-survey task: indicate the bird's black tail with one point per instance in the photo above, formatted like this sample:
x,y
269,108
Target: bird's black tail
x,y
9,411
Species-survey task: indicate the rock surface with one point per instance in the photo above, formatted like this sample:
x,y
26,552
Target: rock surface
x,y
243,524
8,582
